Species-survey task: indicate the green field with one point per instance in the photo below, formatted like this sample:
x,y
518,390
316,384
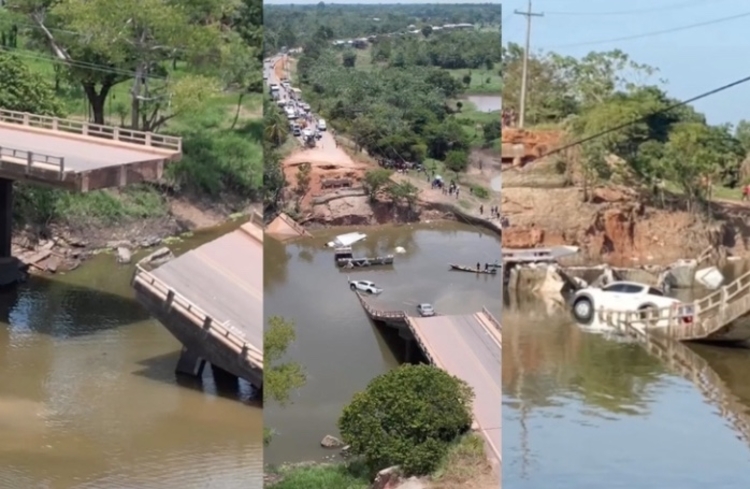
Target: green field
x,y
483,81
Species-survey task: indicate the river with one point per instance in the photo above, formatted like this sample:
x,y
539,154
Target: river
x,y
89,399
338,346
583,411
486,103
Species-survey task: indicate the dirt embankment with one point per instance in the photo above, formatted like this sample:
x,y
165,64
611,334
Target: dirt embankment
x,y
63,247
335,194
615,226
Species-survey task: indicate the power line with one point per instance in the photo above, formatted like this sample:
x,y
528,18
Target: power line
x,y
657,33
77,64
645,118
634,11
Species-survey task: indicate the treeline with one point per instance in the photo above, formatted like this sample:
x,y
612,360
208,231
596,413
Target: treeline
x,y
291,25
661,148
192,70
449,50
396,112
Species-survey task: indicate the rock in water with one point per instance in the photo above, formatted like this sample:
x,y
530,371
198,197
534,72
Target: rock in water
x,y
123,255
331,442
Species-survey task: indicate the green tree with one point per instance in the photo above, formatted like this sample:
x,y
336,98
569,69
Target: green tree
x,y
130,39
375,180
24,91
280,378
457,161
349,59
407,417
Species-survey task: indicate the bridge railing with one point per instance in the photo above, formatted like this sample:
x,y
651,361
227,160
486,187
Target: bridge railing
x,y
492,318
682,323
219,330
85,128
32,158
378,314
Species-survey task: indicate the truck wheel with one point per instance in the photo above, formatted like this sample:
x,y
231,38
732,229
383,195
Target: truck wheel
x,y
583,310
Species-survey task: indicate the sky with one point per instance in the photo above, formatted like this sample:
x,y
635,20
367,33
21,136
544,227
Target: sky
x,y
373,2
692,61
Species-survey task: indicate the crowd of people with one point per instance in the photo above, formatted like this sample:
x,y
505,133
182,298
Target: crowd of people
x,y
509,118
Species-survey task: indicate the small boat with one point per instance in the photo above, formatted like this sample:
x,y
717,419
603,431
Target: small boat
x,y
344,240
462,268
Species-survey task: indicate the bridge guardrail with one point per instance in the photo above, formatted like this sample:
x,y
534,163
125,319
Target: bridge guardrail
x,y
713,306
31,158
219,330
492,318
85,128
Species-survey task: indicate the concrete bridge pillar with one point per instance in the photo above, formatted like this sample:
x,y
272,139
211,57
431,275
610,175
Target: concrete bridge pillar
x,y
224,379
10,271
190,364
6,216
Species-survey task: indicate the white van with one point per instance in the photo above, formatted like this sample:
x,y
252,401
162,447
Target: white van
x,y
321,125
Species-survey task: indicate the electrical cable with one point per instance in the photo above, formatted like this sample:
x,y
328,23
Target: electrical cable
x,y
632,12
77,64
644,118
656,33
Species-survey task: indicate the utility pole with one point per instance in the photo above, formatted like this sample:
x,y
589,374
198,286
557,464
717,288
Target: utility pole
x,y
525,73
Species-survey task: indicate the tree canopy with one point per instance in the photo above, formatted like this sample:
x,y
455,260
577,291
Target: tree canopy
x,y
407,417
659,141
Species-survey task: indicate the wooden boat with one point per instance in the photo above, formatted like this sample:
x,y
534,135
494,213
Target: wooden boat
x,y
462,268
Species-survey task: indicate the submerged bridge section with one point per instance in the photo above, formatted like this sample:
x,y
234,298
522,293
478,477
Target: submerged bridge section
x,y
469,347
722,316
211,300
72,155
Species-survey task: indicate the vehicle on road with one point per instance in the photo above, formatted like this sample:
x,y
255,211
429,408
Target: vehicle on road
x,y
364,286
426,310
321,125
628,296
296,130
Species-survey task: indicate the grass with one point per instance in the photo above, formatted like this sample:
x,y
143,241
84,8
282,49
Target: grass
x,y
331,476
465,466
483,81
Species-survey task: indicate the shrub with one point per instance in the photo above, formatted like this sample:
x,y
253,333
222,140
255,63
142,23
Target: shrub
x,y
407,417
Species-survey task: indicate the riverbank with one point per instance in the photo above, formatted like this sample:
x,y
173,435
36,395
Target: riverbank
x,y
64,245
616,225
465,466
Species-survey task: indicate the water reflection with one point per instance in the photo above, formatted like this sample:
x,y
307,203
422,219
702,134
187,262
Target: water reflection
x,y
341,350
581,410
88,395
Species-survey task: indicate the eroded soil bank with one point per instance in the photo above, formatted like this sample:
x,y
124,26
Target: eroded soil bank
x,y
63,247
615,226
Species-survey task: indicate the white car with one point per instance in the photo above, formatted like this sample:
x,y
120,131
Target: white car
x,y
623,296
321,125
365,286
426,310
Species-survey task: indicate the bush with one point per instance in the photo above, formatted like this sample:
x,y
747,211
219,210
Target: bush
x,y
457,161
407,417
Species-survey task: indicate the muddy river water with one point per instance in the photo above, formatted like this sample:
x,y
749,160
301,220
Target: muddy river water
x,y
338,346
584,411
89,399
486,103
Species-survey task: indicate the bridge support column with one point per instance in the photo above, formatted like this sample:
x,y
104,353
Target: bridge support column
x,y
409,350
190,364
10,270
224,379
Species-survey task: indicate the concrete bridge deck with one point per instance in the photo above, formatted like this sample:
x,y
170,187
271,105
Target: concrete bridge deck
x,y
78,155
469,347
722,316
211,300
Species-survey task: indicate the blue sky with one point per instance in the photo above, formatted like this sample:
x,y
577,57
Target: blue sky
x,y
692,61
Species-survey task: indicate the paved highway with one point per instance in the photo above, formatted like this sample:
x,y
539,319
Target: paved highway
x,y
225,279
327,140
470,348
